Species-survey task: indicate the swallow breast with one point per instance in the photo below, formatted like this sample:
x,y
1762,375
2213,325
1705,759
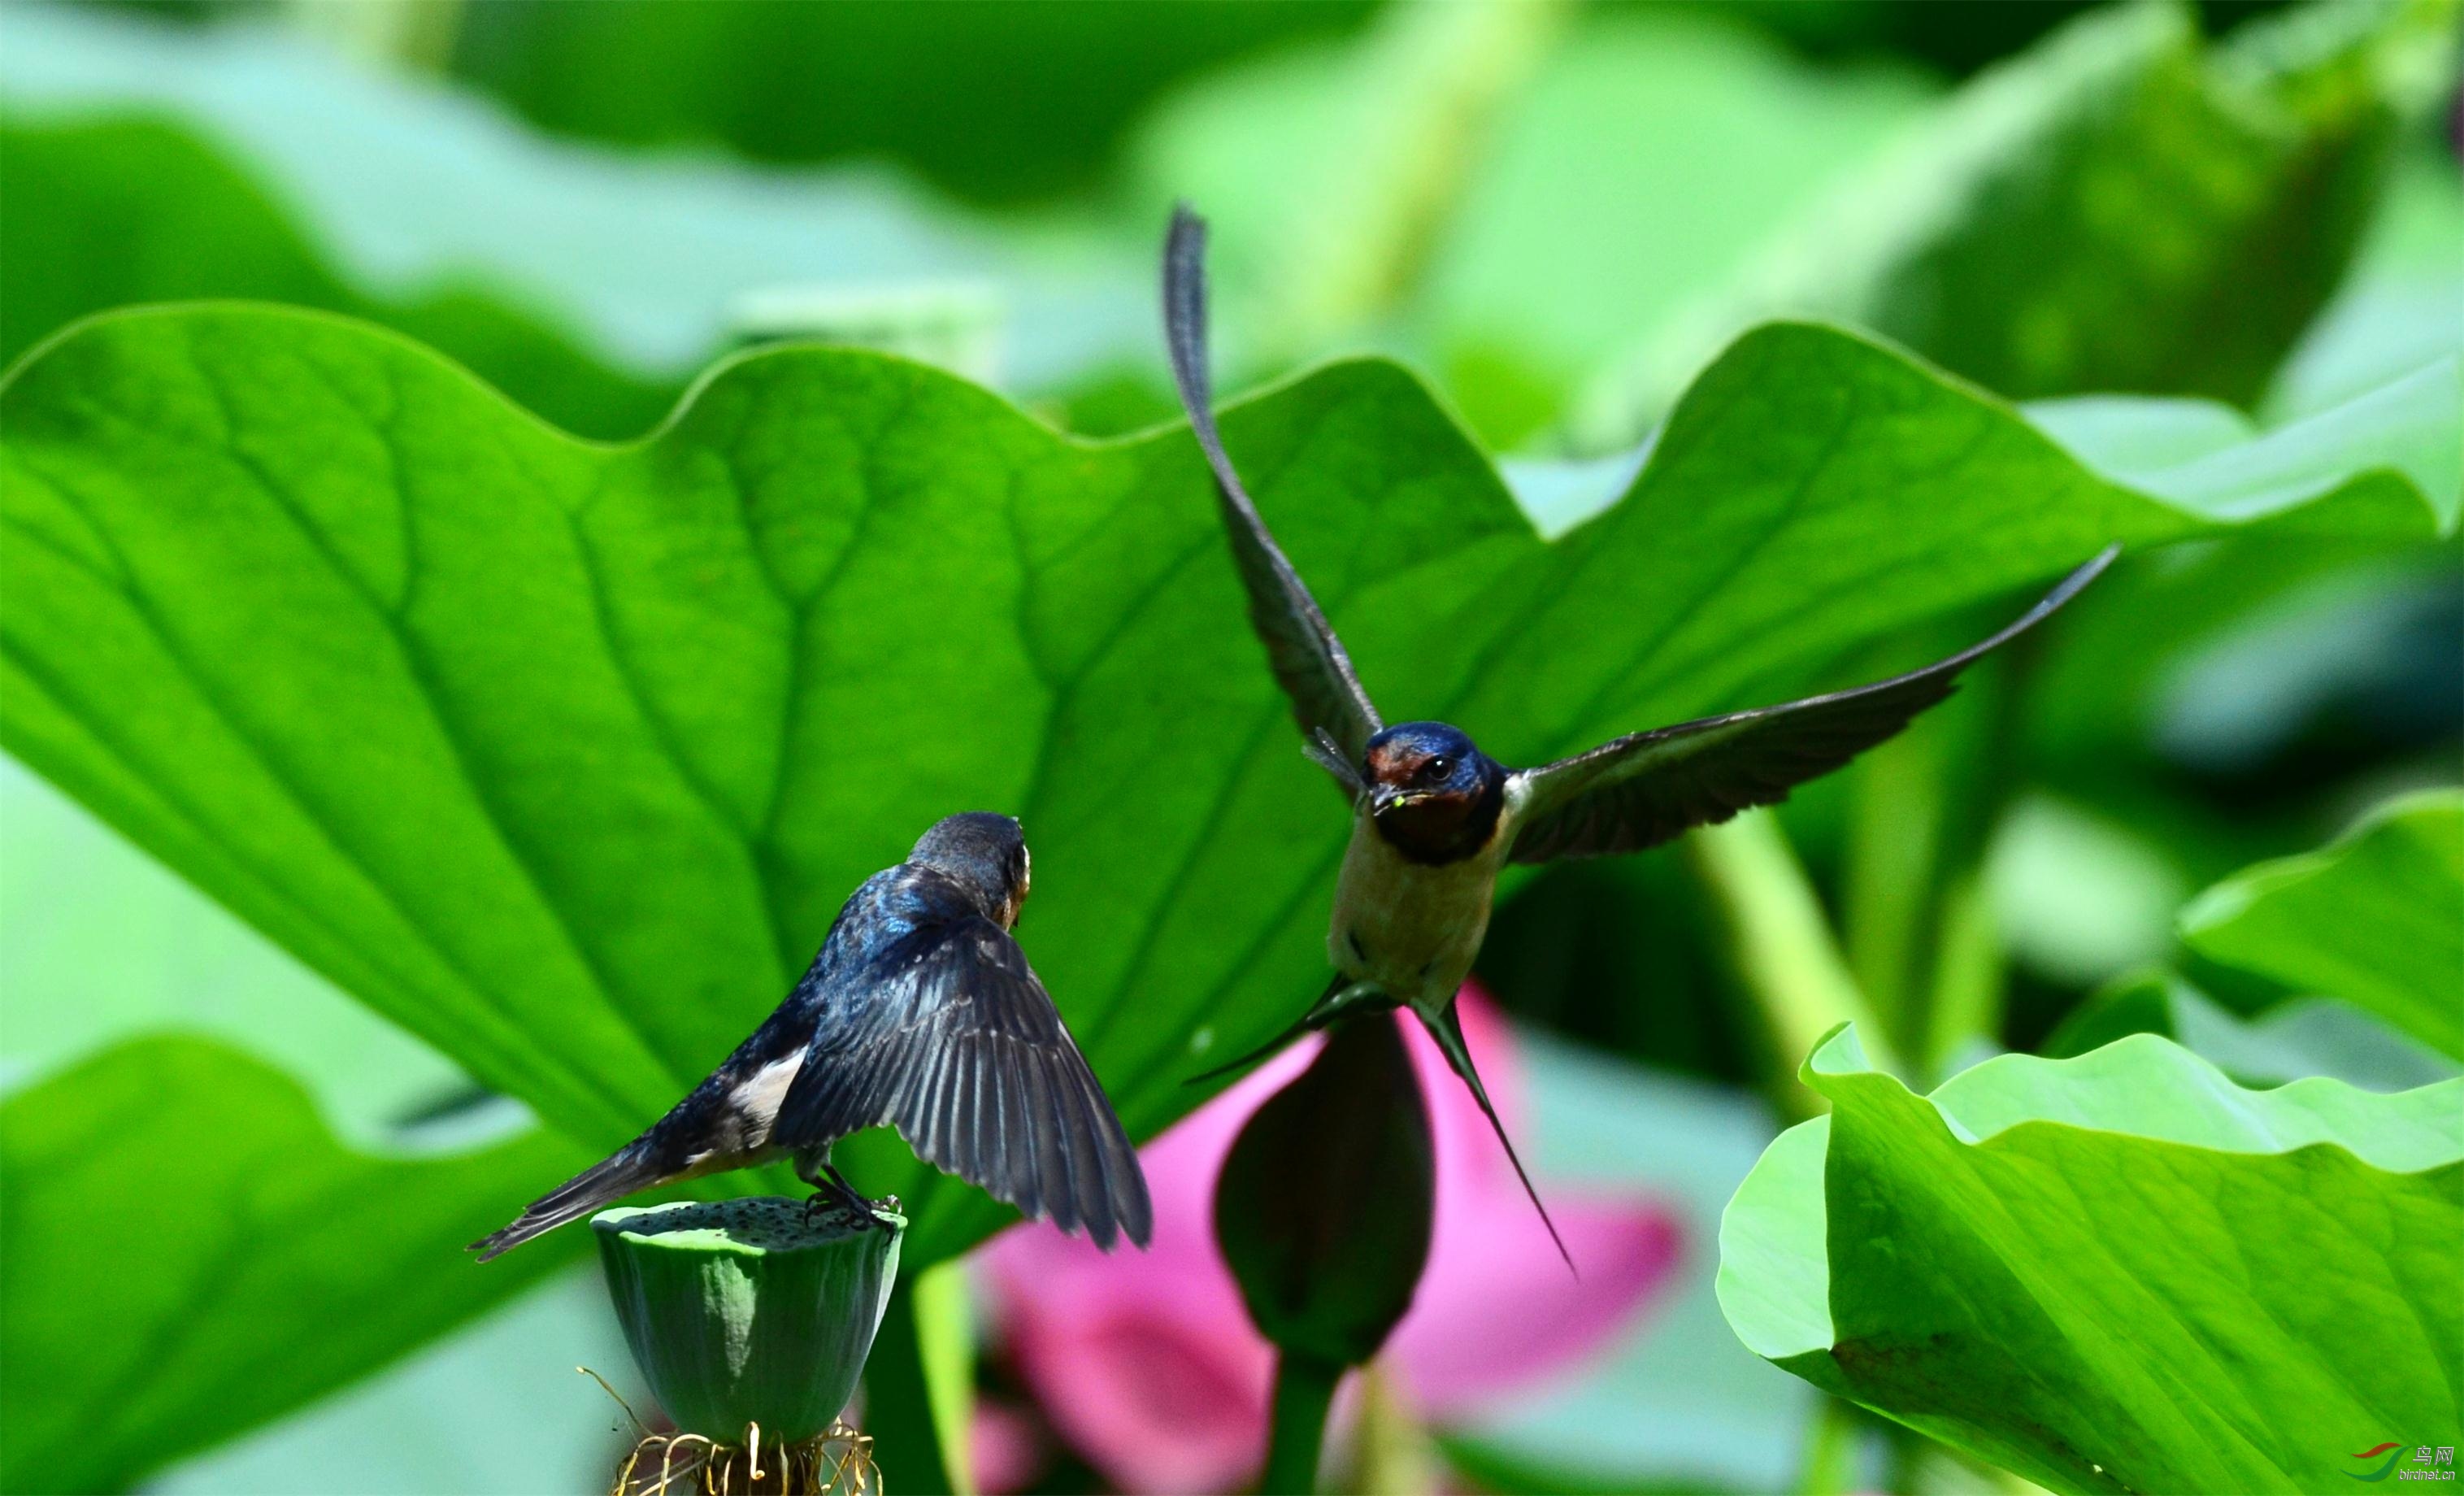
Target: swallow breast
x,y
1412,928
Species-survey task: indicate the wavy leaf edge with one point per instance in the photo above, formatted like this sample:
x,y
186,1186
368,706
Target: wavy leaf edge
x,y
2430,1118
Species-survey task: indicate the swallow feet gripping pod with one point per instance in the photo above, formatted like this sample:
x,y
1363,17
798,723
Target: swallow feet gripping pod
x,y
751,1322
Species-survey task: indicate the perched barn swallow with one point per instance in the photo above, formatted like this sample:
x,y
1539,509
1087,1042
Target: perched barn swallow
x,y
1434,819
921,1013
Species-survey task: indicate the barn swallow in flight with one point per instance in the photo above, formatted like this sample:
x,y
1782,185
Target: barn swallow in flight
x,y
921,1013
1434,819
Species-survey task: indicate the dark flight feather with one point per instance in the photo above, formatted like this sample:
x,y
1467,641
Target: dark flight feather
x,y
1646,787
1308,660
919,1012
955,1029
603,1184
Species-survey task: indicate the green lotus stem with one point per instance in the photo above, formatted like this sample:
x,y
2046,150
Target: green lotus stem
x,y
1392,1452
943,1331
1439,78
1829,1464
745,1313
1967,976
1892,867
416,35
1304,1391
1782,946
1917,919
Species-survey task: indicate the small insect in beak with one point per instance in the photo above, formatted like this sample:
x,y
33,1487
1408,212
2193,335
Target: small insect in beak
x,y
1387,797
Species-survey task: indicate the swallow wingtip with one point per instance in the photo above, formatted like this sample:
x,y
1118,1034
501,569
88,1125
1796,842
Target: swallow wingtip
x,y
1184,245
1128,1234
1098,1233
2084,573
1138,1220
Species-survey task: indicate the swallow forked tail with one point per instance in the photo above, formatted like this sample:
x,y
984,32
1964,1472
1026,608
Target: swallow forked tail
x,y
1446,1029
603,1184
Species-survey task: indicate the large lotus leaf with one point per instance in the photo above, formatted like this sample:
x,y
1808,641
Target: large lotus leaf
x,y
2404,301
2376,919
115,211
2207,456
563,755
2290,1042
457,222
99,943
2222,659
2197,453
395,184
1028,101
2119,1273
190,1253
2128,674
2119,208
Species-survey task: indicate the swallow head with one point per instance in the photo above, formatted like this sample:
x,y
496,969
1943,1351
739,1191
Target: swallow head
x,y
1433,794
987,854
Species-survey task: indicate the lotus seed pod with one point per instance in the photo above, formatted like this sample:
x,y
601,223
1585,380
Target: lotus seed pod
x,y
741,1311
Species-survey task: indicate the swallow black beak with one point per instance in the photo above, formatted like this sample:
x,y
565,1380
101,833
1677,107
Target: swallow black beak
x,y
1387,797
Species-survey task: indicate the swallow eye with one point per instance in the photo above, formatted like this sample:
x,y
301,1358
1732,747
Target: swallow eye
x,y
1435,769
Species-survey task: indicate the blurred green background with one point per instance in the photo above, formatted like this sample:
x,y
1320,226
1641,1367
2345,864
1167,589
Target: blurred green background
x,y
1555,212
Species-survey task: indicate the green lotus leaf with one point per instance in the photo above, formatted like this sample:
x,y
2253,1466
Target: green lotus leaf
x,y
2377,920
2122,206
2292,1041
1029,103
121,210
2119,1273
563,755
146,162
2404,299
191,1254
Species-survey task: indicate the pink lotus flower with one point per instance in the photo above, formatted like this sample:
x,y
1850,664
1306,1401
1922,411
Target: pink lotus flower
x,y
1146,1362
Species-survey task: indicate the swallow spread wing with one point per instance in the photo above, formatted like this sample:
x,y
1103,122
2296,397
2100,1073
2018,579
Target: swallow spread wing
x,y
959,1048
1457,815
1641,790
1326,696
919,1013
